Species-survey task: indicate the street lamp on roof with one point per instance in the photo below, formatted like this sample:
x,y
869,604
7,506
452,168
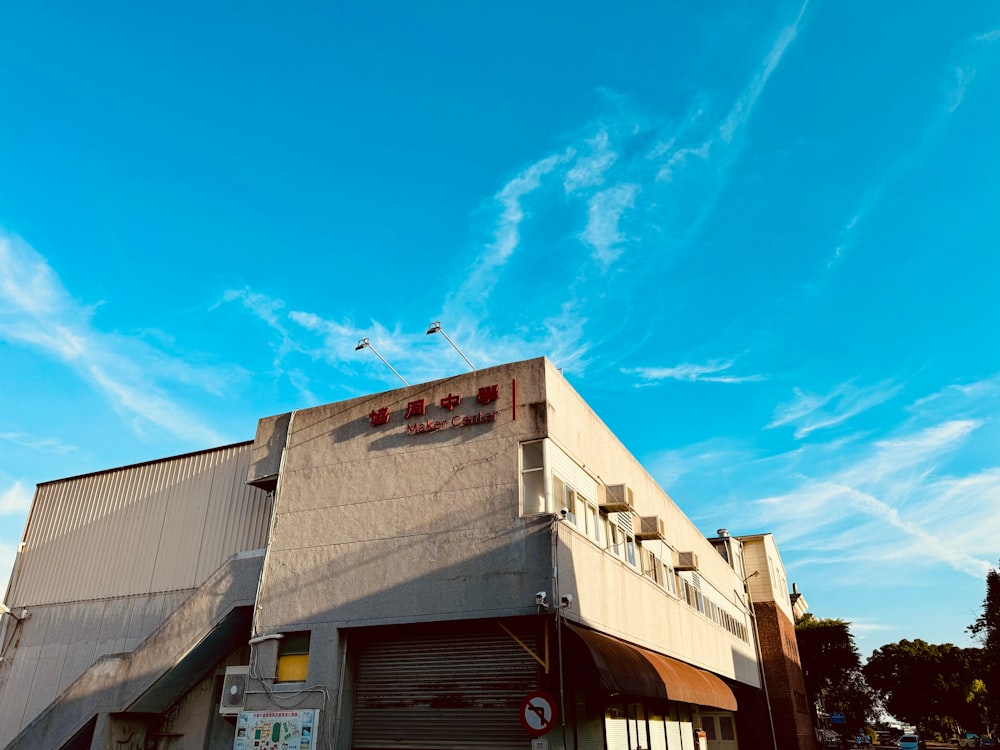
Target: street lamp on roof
x,y
366,344
435,327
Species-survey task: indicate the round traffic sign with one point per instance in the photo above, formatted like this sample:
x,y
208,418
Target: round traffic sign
x,y
538,712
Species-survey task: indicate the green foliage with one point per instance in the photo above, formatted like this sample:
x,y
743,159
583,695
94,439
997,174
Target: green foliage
x,y
832,669
926,685
987,629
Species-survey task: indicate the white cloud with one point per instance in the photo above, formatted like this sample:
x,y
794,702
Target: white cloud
x,y
38,312
744,106
604,210
507,236
15,500
679,158
589,170
710,372
47,445
989,36
963,77
809,412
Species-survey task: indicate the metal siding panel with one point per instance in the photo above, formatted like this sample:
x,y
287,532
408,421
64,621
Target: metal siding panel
x,y
163,526
443,692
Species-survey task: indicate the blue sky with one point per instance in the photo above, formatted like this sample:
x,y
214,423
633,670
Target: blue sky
x,y
761,239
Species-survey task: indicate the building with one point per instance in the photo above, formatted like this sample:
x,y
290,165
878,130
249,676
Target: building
x,y
468,563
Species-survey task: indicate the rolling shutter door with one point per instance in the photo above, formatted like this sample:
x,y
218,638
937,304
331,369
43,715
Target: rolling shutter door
x,y
443,690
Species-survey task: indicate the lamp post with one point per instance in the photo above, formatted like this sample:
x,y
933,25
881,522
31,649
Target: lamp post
x,y
435,327
366,344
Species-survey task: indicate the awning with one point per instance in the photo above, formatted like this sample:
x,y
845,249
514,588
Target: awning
x,y
631,670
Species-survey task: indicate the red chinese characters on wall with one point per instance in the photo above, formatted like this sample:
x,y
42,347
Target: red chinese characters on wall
x,y
450,401
379,416
488,394
416,408
485,395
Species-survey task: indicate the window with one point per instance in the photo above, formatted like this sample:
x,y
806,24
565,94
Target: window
x,y
668,579
566,497
615,539
630,551
727,732
293,657
532,478
650,565
593,527
687,592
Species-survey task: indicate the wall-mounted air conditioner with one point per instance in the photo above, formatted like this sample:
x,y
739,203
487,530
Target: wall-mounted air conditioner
x,y
615,498
234,690
651,527
686,561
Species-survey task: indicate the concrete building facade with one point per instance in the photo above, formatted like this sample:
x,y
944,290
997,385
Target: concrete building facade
x,y
472,562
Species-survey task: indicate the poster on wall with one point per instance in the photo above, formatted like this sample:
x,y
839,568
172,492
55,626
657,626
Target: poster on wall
x,y
276,730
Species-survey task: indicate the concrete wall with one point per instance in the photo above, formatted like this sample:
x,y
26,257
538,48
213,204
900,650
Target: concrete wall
x,y
59,642
770,585
614,597
375,525
389,523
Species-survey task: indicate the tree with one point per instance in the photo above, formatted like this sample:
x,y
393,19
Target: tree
x,y
987,629
927,685
832,669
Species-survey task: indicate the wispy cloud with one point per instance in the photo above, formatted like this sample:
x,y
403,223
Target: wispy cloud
x,y
714,371
36,311
744,105
15,500
809,412
957,81
604,210
47,445
963,77
622,181
507,234
679,158
589,170
841,503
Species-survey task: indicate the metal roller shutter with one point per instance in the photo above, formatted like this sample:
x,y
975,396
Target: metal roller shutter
x,y
459,689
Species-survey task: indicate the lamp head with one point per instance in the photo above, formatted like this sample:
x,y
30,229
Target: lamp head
x,y
434,327
362,344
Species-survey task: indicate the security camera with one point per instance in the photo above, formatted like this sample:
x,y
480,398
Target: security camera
x,y
566,601
540,599
564,512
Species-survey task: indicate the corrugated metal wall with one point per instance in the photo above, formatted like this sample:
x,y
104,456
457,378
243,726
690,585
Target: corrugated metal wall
x,y
160,526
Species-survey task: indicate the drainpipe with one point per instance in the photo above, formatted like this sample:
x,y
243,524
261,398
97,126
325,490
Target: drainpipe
x,y
556,602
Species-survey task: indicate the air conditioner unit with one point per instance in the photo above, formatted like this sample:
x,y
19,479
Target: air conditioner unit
x,y
651,527
234,690
615,498
686,561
